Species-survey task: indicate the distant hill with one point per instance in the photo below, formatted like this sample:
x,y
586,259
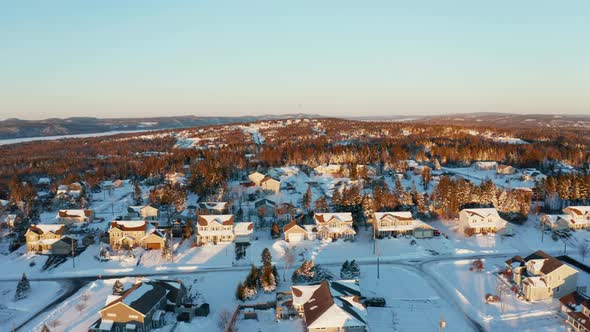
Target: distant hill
x,y
16,128
498,120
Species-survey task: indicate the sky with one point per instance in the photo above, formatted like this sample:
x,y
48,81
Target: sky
x,y
336,58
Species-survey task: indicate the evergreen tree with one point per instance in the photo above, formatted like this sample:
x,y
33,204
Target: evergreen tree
x,y
307,198
240,292
266,258
275,231
118,288
344,270
355,271
23,289
45,328
336,199
137,194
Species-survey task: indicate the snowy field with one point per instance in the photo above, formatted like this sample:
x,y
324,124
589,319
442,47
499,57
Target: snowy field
x,y
13,312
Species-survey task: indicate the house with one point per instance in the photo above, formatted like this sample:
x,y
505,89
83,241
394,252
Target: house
x,y
323,311
146,212
41,237
64,246
141,307
505,169
532,174
395,223
176,178
11,220
265,207
296,233
579,216
332,169
215,228
243,232
576,309
334,225
270,184
485,165
256,178
212,207
73,190
542,277
77,216
555,222
475,221
135,233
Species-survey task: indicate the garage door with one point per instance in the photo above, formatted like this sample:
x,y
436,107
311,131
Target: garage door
x,y
153,245
296,237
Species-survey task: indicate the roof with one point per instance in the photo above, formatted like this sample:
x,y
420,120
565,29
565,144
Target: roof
x,y
243,228
320,300
78,213
402,215
573,300
130,225
224,219
543,262
142,297
292,224
579,210
580,318
47,228
326,217
484,212
212,205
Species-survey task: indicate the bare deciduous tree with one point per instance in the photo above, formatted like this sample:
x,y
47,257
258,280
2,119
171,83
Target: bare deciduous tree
x,y
288,260
224,321
584,247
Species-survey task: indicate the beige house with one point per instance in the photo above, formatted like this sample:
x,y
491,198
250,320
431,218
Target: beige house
x,y
256,177
323,308
334,225
215,228
295,233
270,184
402,222
78,216
505,169
243,232
146,212
555,222
135,233
41,237
486,220
542,277
579,216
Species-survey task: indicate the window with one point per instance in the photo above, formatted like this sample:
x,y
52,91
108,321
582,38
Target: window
x,y
110,314
133,317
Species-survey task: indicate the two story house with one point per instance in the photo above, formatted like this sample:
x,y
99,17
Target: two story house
x,y
76,216
486,220
141,307
135,233
215,228
402,222
42,237
579,216
334,225
575,307
541,277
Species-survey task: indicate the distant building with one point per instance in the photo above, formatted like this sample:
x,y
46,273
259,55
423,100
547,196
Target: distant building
x,y
146,212
485,165
75,216
579,216
271,184
135,233
212,207
505,169
256,177
542,277
243,232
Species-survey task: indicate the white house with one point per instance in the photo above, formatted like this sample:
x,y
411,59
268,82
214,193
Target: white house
x,y
334,225
486,220
485,165
401,222
75,216
215,228
556,222
243,232
579,216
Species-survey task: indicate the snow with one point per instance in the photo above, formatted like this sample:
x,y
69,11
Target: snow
x,y
49,228
13,313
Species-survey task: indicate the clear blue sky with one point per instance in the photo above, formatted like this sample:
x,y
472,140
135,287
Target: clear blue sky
x,y
144,58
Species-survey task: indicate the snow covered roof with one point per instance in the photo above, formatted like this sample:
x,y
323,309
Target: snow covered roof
x,y
47,228
326,217
243,228
212,205
398,215
483,212
142,297
80,213
129,225
224,219
578,210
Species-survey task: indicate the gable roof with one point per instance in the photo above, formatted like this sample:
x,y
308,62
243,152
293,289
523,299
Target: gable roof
x,y
129,225
292,225
224,219
40,229
483,212
573,300
80,213
326,217
550,263
401,215
142,297
319,302
579,210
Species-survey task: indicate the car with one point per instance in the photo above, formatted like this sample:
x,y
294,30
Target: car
x,y
436,232
375,302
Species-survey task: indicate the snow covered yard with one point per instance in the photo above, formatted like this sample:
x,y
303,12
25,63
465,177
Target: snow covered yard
x,y
471,287
15,312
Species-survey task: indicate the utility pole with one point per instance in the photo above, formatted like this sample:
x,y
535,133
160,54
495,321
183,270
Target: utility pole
x,y
72,249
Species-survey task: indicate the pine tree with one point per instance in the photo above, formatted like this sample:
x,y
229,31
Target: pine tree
x,y
344,270
355,271
266,258
240,292
45,328
118,288
23,289
137,194
336,198
307,198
